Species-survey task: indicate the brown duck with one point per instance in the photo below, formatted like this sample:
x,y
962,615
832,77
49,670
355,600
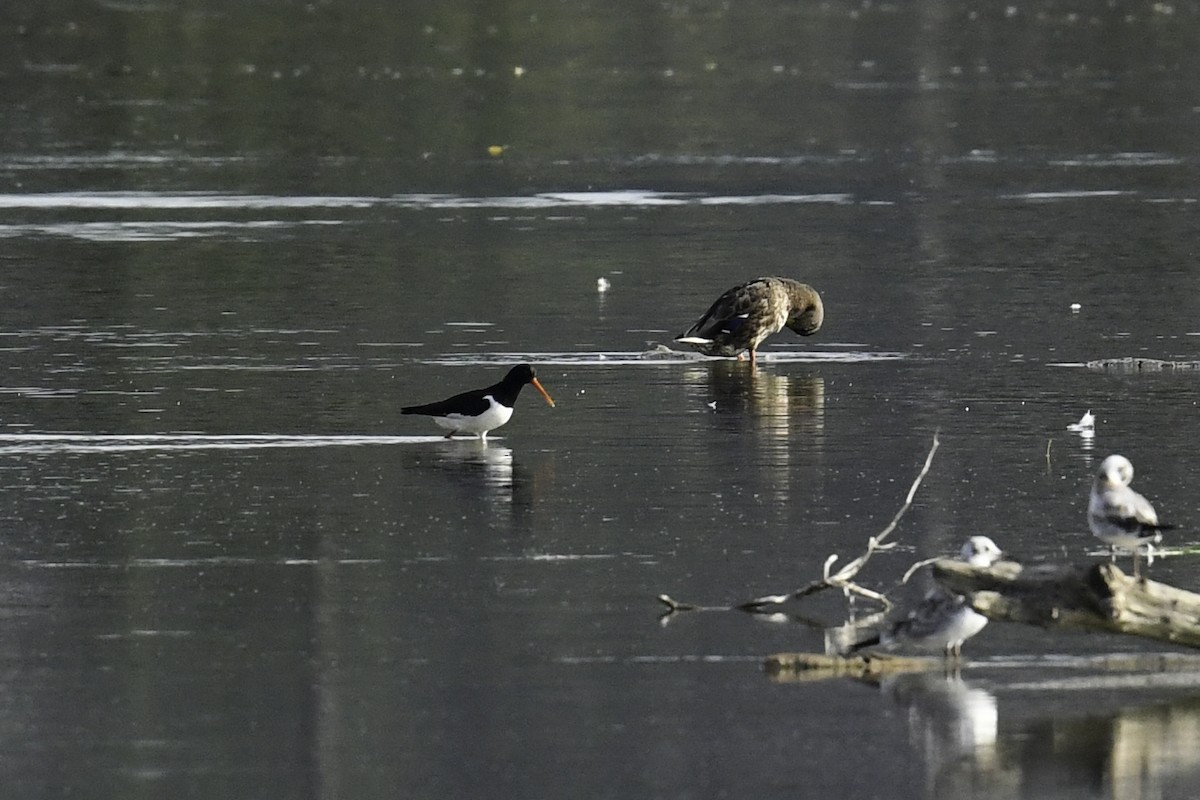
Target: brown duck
x,y
748,313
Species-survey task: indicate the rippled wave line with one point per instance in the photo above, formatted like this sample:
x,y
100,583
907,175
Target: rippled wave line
x,y
657,358
1069,194
11,443
203,561
205,200
152,231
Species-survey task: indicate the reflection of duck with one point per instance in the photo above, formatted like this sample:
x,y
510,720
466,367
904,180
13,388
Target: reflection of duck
x,y
481,410
748,313
776,401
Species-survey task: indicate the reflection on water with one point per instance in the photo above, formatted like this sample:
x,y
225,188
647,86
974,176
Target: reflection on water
x,y
660,356
955,727
552,200
280,217
777,404
1149,751
161,231
1153,747
15,443
975,745
475,472
474,462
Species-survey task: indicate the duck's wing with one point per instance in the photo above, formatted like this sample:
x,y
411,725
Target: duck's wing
x,y
745,304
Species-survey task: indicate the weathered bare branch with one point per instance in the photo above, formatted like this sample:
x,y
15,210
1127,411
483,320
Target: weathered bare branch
x,y
844,578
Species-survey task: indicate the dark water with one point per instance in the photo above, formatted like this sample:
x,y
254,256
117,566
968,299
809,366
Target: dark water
x,y
237,237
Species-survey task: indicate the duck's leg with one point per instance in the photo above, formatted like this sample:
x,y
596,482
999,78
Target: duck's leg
x,y
753,357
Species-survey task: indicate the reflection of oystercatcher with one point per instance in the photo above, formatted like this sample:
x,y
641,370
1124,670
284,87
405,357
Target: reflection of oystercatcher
x,y
748,313
481,410
1119,516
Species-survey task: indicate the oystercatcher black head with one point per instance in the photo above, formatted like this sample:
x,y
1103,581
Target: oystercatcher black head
x,y
481,410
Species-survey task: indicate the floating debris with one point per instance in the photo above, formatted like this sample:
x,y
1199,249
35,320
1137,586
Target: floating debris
x,y
602,285
1140,364
1086,423
817,666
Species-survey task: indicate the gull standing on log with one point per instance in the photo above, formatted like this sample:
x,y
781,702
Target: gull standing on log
x,y
1119,516
943,620
748,313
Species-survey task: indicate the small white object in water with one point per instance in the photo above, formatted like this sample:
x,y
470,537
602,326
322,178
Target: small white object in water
x,y
602,285
1076,308
1086,423
712,405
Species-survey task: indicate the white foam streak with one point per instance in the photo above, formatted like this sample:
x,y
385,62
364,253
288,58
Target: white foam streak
x,y
197,201
660,358
11,443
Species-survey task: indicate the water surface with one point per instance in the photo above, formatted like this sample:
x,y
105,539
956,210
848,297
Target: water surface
x,y
238,238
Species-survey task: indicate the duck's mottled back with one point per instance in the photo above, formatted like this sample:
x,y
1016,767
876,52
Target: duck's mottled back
x,y
746,314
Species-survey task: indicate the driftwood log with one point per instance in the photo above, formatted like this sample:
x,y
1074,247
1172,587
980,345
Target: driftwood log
x,y
1110,670
863,666
1091,596
1140,364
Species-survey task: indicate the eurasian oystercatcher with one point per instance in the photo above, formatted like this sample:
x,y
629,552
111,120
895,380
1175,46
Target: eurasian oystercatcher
x,y
481,410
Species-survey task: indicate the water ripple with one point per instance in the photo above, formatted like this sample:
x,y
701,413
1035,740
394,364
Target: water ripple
x,y
22,443
159,231
657,357
206,200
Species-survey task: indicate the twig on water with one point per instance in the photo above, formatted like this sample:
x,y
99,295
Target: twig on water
x,y
674,605
844,578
